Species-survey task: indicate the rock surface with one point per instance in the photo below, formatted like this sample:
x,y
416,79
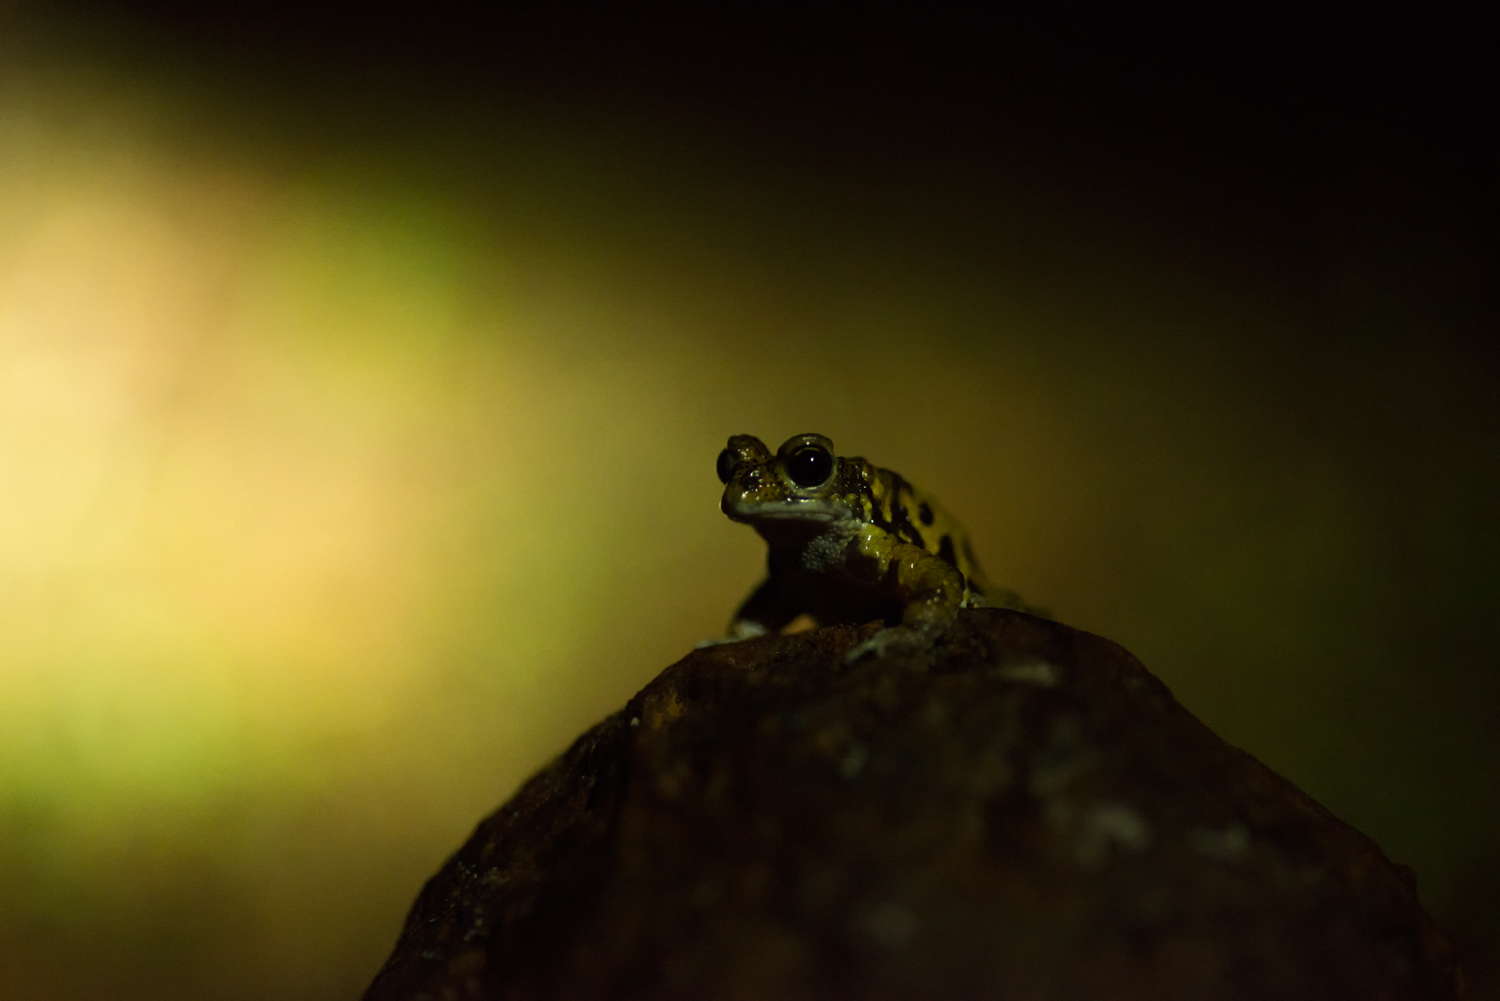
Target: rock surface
x,y
1023,813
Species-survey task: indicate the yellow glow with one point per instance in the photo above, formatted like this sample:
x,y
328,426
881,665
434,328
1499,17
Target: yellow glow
x,y
281,524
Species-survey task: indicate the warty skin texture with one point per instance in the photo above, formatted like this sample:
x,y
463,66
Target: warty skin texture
x,y
848,542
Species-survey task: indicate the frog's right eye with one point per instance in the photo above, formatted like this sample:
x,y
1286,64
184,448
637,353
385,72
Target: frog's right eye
x,y
725,466
810,466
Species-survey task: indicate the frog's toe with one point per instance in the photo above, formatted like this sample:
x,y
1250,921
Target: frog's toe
x,y
891,639
744,629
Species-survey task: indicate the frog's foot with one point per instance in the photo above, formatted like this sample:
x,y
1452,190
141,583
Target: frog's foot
x,y
893,639
742,630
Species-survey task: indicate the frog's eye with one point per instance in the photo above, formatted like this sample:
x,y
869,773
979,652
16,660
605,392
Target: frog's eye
x,y
810,466
725,466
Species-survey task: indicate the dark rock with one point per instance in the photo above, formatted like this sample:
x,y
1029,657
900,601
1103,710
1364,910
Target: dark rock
x,y
1026,814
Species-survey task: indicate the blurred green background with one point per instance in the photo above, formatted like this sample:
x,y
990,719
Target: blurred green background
x,y
361,378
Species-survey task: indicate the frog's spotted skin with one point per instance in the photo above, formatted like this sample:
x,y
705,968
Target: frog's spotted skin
x,y
849,542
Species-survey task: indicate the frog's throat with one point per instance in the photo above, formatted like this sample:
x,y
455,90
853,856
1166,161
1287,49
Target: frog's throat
x,y
782,511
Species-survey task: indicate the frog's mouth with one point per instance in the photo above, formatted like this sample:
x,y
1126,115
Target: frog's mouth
x,y
792,509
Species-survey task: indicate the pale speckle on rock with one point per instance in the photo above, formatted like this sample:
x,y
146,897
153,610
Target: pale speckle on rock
x,y
1035,672
1106,826
1226,845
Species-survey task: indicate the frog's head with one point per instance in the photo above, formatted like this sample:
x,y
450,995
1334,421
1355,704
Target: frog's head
x,y
805,481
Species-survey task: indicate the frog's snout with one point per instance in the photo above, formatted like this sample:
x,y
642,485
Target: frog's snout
x,y
739,492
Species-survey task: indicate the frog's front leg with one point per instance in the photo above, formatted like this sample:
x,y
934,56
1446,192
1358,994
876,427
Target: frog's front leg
x,y
931,589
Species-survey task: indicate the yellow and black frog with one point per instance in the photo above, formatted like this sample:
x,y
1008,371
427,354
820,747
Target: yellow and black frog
x,y
849,542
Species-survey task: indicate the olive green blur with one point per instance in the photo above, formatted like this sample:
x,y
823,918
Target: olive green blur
x,y
347,473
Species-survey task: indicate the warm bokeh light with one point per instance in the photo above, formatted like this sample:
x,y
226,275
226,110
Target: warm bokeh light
x,y
335,498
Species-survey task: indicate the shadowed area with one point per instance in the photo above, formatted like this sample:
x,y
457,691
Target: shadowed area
x,y
361,383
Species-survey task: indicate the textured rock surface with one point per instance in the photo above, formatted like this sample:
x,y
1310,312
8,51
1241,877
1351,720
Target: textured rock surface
x,y
1027,814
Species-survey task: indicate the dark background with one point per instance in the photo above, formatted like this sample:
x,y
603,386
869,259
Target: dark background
x,y
1296,210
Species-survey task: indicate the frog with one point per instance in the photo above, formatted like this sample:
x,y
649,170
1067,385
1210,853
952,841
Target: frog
x,y
850,542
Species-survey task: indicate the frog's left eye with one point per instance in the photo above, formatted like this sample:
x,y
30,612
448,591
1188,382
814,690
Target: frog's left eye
x,y
810,466
725,466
